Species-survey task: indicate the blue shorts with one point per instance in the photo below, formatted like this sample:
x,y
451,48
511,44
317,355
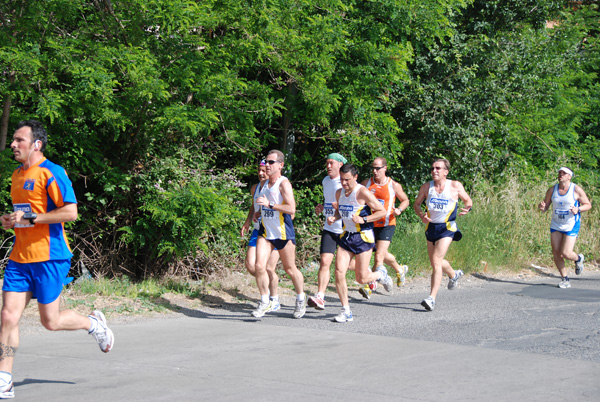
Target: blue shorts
x,y
329,242
437,231
354,243
253,237
573,232
44,279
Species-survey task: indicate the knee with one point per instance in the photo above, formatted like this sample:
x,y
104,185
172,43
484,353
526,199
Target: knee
x,y
49,323
10,319
251,269
259,269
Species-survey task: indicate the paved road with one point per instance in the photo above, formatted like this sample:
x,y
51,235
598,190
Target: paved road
x,y
518,339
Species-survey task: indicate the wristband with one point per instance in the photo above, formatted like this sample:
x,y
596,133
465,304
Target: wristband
x,y
30,216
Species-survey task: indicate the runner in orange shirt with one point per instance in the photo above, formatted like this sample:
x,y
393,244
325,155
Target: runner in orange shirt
x,y
386,191
43,199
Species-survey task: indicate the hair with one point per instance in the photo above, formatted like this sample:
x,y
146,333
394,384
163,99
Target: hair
x,y
349,168
280,156
382,159
444,161
38,133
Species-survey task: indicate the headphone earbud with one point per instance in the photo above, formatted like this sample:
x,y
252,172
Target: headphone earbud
x,y
38,145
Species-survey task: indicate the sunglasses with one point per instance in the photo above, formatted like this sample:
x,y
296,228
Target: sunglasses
x,y
271,161
437,168
377,167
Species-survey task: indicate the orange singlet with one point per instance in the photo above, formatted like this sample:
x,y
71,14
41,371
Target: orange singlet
x,y
386,195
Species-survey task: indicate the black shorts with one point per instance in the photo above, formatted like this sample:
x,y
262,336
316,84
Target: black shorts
x,y
329,242
384,233
436,231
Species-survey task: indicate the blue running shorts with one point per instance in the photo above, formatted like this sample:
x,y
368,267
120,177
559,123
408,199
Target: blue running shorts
x,y
44,279
253,237
436,231
354,243
573,232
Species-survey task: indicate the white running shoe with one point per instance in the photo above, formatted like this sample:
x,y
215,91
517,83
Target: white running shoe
x,y
564,284
300,309
428,303
275,305
579,265
386,280
262,309
7,390
452,282
104,336
343,317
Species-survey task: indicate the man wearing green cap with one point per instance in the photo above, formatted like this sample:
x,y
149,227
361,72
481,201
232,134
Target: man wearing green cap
x,y
330,235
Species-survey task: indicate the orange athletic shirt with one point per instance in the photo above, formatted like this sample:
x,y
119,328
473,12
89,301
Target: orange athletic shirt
x,y
386,195
40,189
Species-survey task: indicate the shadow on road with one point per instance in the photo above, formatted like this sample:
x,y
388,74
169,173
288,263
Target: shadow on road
x,y
27,381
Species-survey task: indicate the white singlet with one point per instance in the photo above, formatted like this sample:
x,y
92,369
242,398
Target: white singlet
x,y
563,219
330,187
348,207
276,225
256,206
441,208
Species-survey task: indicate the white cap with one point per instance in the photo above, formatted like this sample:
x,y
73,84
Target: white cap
x,y
566,170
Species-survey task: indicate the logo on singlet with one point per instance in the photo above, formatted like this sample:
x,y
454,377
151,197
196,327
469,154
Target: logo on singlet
x,y
29,184
439,203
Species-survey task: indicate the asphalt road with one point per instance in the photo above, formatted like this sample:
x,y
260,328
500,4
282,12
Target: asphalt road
x,y
518,339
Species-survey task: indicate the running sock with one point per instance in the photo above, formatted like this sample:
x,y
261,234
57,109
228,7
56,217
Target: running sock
x,y
274,298
566,278
264,299
346,309
578,258
93,325
300,296
321,295
5,376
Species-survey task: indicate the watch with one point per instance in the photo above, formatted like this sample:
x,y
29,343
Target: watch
x,y
271,204
365,219
31,216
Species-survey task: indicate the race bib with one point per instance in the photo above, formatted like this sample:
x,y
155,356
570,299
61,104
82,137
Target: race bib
x,y
346,211
562,213
438,203
25,208
328,209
